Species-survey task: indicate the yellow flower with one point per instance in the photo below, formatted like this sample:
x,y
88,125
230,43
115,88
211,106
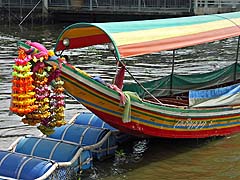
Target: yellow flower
x,y
35,59
51,53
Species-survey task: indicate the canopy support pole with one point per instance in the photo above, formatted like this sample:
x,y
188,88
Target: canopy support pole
x,y
171,80
118,61
236,62
141,84
30,12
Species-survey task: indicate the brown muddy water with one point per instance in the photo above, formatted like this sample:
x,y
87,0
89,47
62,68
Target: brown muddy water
x,y
167,159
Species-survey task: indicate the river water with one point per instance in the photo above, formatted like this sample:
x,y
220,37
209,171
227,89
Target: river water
x,y
210,159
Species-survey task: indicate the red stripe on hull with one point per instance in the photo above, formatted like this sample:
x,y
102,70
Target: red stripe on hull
x,y
143,130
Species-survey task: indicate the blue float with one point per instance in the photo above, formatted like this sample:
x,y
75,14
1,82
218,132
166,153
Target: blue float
x,y
63,154
88,118
20,166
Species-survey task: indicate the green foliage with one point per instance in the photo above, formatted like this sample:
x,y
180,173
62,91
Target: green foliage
x,y
120,153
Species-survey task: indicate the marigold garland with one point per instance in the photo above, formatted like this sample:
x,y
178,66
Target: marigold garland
x,y
23,99
32,96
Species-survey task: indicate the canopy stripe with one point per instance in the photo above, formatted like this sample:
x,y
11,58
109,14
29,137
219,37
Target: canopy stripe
x,y
176,42
134,38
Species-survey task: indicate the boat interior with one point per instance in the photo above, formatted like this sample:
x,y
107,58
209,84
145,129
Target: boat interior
x,y
174,89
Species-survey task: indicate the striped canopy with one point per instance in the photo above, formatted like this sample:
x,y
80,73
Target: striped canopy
x,y
132,38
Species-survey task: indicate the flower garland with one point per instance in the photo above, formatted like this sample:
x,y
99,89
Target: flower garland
x,y
32,96
22,88
57,100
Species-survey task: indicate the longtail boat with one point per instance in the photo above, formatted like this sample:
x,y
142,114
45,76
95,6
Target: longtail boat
x,y
176,106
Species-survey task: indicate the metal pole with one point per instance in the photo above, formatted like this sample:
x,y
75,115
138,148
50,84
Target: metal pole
x,y
91,5
157,100
67,2
234,4
172,73
219,4
139,5
21,10
114,5
196,4
206,4
9,12
190,6
119,61
236,62
45,8
30,12
96,3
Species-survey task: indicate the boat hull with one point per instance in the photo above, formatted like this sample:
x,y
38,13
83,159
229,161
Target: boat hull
x,y
147,119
